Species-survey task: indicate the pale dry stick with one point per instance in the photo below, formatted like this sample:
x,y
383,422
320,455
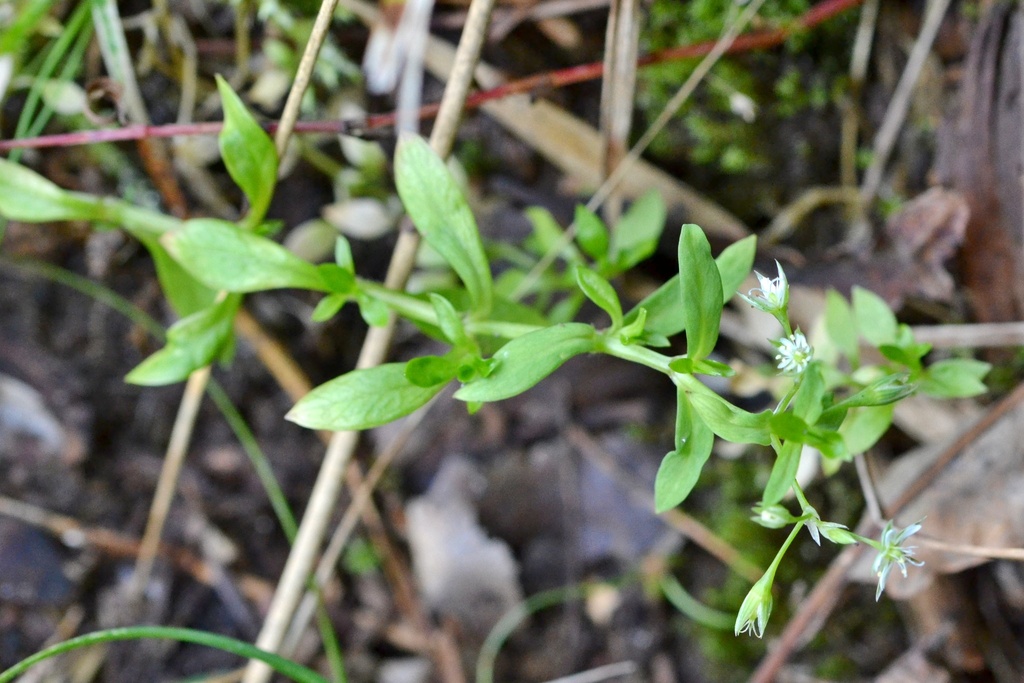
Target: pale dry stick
x,y
291,378
74,534
809,201
321,25
339,538
1014,554
328,483
174,458
899,105
867,486
677,101
677,519
601,673
618,91
667,114
859,60
972,336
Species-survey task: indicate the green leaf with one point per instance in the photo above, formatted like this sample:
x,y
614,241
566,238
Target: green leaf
x,y
192,343
909,355
27,196
337,279
185,293
842,326
807,404
790,427
448,321
222,256
735,263
248,153
783,473
600,291
547,233
700,287
591,233
954,378
429,371
732,423
875,320
328,307
636,235
526,360
665,308
680,469
343,254
705,366
440,212
863,427
633,331
374,312
362,399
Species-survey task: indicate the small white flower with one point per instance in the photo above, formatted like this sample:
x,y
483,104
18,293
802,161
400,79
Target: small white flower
x,y
794,353
773,294
832,531
893,553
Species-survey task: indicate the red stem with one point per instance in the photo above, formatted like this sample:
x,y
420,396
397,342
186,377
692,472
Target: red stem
x,y
757,40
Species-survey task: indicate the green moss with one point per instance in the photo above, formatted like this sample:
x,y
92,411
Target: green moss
x,y
715,129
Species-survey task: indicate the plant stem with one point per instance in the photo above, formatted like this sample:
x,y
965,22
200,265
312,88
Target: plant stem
x,y
324,495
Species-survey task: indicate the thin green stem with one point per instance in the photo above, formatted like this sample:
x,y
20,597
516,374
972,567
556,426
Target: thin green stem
x,y
785,547
285,667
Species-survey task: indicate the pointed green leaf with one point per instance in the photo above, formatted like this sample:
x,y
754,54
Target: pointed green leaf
x,y
601,292
440,212
224,257
526,360
783,473
362,399
591,233
955,378
665,309
732,423
248,153
343,254
547,233
807,404
449,321
27,196
192,343
632,332
185,293
429,371
328,307
863,427
680,469
875,320
735,263
842,326
636,235
700,286
374,312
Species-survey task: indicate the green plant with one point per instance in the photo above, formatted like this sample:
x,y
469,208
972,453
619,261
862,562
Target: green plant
x,y
498,347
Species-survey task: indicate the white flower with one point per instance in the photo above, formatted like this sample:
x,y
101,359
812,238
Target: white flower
x,y
893,553
773,294
794,353
837,533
